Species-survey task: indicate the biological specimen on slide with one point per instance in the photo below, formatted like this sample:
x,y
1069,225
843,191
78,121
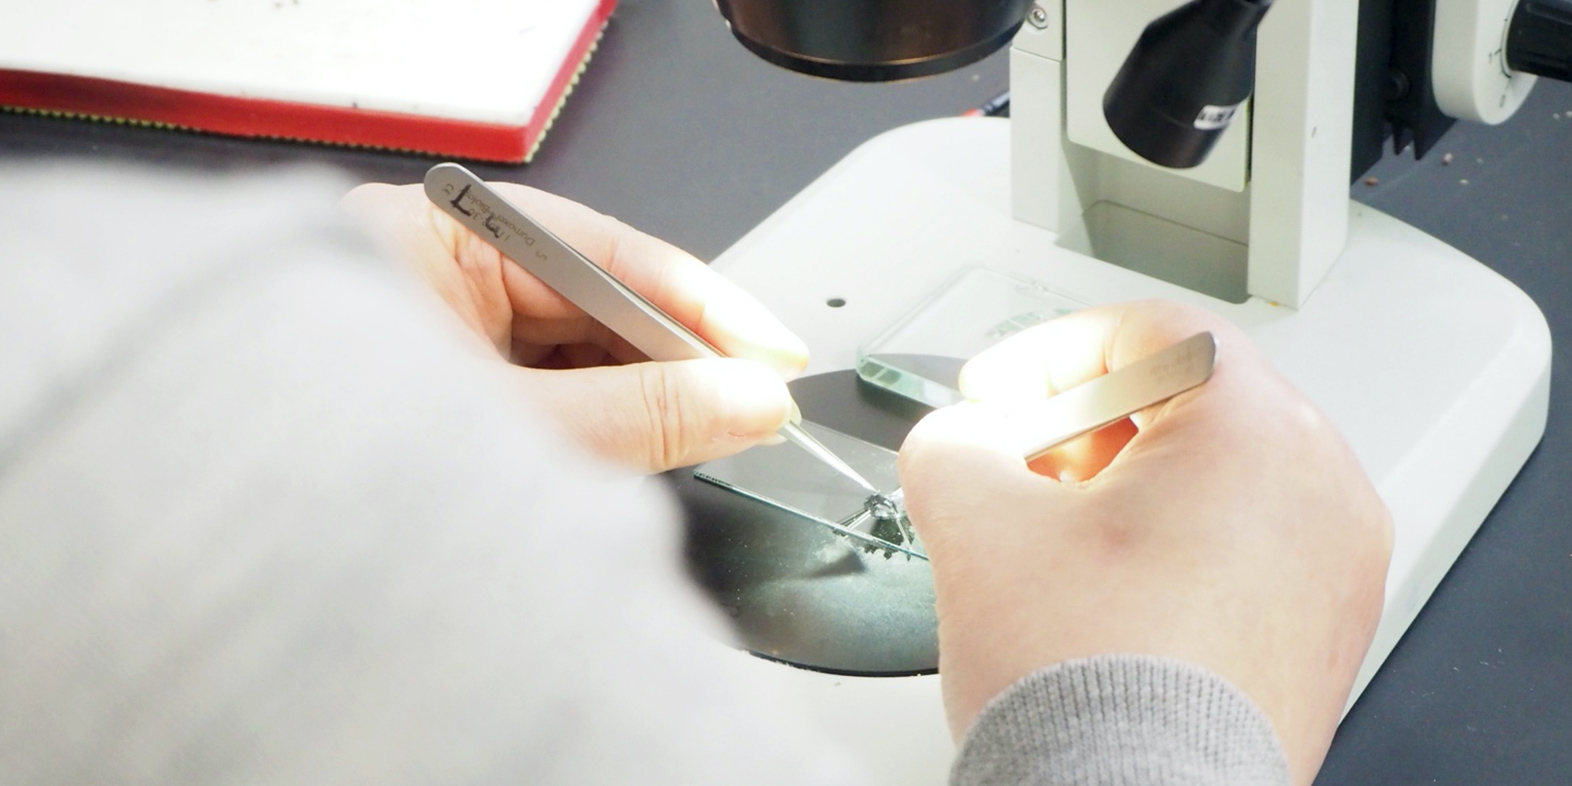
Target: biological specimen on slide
x,y
787,477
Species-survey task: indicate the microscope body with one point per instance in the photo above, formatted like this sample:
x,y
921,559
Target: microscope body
x,y
1330,78
1278,175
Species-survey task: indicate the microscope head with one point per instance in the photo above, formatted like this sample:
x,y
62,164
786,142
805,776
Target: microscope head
x,y
873,40
1172,100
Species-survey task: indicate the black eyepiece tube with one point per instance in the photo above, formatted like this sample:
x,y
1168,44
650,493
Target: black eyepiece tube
x,y
1185,79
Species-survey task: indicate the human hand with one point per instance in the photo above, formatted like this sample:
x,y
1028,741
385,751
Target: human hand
x,y
1230,527
652,416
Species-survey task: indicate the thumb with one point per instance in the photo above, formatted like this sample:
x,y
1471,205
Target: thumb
x,y
962,461
657,416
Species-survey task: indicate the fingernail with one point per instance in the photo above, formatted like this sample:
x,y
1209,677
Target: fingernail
x,y
796,414
773,440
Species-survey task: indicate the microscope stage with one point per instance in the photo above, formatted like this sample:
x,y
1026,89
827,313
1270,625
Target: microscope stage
x,y
1435,368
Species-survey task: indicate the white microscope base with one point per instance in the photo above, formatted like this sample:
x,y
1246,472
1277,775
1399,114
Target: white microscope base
x,y
1435,368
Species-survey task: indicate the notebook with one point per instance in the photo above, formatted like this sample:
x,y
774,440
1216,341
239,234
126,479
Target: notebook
x,y
480,79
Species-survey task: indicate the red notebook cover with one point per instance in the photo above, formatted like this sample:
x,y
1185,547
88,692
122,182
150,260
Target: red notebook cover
x,y
96,86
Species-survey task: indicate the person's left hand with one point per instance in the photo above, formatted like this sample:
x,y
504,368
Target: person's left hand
x,y
653,416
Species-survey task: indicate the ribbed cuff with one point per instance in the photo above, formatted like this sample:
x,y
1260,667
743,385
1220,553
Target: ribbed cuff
x,y
1121,719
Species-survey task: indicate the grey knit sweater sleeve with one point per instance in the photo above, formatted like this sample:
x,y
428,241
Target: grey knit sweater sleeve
x,y
1121,720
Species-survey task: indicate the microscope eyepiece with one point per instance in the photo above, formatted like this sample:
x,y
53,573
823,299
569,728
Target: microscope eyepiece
x,y
1185,79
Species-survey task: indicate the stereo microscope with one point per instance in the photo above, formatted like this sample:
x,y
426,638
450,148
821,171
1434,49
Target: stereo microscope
x,y
1200,152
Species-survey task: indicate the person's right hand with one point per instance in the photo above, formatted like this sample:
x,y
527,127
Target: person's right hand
x,y
1230,527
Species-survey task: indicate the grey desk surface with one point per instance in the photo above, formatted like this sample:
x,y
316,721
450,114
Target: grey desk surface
x,y
676,130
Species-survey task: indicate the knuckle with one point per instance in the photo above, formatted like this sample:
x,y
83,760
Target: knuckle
x,y
667,408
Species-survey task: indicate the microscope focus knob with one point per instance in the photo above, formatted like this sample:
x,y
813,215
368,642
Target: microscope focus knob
x,y
1539,39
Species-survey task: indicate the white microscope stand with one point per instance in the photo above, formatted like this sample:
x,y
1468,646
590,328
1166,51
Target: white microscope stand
x,y
1434,367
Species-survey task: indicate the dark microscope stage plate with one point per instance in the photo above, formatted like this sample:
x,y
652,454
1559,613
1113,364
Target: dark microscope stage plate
x,y
796,590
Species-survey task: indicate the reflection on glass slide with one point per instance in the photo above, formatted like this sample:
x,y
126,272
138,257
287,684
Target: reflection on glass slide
x,y
920,356
787,477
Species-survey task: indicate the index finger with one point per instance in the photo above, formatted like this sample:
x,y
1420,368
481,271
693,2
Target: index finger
x,y
1056,356
1048,359
677,282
